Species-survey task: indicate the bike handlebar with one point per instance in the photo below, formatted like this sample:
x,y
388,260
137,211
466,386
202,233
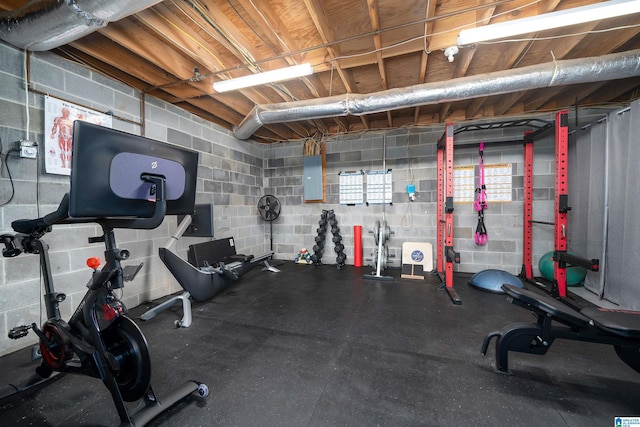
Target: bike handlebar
x,y
40,226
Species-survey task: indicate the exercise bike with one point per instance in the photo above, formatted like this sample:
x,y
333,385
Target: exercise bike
x,y
99,340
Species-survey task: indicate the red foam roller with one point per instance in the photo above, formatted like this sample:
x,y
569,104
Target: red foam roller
x,y
357,246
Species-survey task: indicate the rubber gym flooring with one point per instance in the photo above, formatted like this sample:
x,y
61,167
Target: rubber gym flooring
x,y
320,346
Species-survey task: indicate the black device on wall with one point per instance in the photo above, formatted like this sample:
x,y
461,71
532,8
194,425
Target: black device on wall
x,y
109,185
201,221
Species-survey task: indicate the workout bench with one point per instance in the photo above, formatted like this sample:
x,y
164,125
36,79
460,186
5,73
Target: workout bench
x,y
212,267
620,328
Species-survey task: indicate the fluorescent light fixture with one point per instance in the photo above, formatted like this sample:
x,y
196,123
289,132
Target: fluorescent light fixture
x,y
548,21
278,75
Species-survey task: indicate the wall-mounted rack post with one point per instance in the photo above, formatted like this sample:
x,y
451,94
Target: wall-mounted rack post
x,y
446,255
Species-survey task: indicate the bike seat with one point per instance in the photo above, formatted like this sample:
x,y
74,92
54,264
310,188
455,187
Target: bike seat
x,y
39,226
29,226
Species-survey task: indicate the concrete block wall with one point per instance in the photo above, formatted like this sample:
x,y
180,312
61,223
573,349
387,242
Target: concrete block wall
x,y
229,176
411,155
232,175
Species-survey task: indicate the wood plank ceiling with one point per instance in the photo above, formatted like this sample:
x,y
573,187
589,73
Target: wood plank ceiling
x,y
176,49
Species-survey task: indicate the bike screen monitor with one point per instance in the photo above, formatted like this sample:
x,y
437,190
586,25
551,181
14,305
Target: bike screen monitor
x,y
106,170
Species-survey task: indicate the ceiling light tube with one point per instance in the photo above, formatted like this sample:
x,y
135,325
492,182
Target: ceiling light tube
x,y
547,21
278,75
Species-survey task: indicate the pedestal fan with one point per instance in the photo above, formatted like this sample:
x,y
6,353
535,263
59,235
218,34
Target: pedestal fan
x,y
269,210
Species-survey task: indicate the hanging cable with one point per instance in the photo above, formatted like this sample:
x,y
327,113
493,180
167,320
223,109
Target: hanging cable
x,y
407,219
6,158
480,204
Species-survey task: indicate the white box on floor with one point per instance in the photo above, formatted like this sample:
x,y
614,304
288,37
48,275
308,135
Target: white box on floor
x,y
417,259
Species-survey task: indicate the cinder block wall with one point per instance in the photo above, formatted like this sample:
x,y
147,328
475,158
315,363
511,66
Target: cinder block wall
x,y
229,176
232,175
411,155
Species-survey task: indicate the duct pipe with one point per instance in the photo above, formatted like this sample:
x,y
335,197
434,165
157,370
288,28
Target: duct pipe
x,y
557,73
44,25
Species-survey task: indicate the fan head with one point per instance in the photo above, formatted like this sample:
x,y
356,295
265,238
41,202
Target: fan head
x,y
269,207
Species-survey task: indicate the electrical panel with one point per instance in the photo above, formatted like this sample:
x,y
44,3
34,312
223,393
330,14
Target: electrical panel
x,y
313,178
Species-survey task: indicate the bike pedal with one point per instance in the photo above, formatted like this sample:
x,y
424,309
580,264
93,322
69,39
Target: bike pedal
x,y
19,332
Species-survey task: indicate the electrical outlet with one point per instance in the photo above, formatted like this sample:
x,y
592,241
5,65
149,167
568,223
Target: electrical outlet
x,y
28,149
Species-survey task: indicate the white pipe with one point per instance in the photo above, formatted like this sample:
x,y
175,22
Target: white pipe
x,y
557,73
380,243
44,25
182,227
384,175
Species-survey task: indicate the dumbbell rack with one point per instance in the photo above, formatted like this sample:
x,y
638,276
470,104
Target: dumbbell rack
x,y
328,217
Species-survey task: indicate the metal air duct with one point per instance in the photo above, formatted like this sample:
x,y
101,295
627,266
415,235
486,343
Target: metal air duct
x,y
44,25
558,73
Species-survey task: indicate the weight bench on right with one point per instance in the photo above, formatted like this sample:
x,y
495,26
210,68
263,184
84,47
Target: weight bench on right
x,y
556,320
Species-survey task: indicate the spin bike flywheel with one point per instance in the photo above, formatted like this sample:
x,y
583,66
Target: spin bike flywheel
x,y
125,342
57,355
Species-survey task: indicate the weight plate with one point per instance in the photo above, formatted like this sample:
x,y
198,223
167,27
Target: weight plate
x,y
384,258
386,231
376,232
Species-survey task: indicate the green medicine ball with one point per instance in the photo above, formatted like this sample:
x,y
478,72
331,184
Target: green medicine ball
x,y
575,274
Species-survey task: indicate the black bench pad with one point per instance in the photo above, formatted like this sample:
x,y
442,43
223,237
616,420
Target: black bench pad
x,y
619,322
548,305
624,323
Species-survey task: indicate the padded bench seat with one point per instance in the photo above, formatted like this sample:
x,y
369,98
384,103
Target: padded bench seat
x,y
620,322
546,303
619,328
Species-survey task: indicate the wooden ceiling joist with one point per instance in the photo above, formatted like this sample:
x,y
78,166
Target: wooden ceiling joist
x,y
176,49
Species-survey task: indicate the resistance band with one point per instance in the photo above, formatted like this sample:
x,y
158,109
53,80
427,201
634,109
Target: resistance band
x,y
480,204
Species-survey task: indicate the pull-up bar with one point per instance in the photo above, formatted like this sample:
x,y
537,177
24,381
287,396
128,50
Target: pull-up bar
x,y
538,124
447,256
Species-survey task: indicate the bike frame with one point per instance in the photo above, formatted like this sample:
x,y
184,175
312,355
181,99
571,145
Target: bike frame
x,y
100,312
